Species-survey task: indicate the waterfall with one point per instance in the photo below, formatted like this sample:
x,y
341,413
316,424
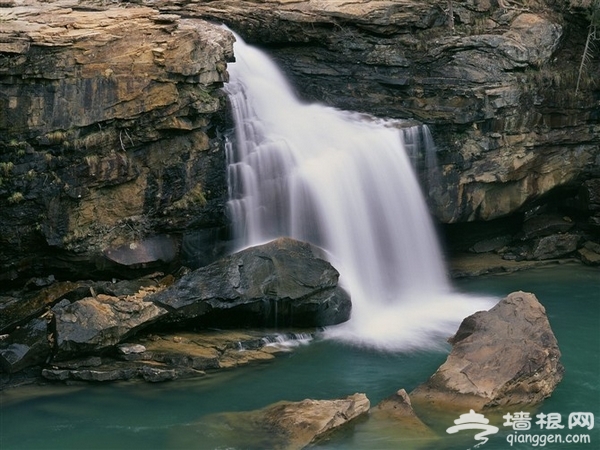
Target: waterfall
x,y
343,181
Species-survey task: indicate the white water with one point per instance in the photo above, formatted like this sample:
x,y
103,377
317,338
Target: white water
x,y
344,182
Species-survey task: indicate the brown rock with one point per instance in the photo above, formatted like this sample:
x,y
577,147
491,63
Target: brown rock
x,y
293,425
398,408
505,356
110,132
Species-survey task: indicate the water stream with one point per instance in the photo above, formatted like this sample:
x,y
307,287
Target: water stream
x,y
343,181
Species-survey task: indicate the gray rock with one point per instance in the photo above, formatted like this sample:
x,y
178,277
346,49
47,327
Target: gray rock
x,y
282,283
554,246
501,357
545,225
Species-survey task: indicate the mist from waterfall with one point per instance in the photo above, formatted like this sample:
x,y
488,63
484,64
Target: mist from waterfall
x,y
344,182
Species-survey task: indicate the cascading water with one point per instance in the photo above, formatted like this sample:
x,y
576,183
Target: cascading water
x,y
342,181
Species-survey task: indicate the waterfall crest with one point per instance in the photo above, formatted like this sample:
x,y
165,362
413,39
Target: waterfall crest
x,y
343,181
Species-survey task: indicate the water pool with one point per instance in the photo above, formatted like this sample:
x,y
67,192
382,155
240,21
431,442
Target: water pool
x,y
177,415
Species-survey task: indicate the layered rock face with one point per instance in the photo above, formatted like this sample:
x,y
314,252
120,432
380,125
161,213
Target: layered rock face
x,y
110,122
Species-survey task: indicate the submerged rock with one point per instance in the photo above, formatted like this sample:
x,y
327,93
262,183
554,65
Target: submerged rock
x,y
398,408
505,356
157,358
291,425
278,284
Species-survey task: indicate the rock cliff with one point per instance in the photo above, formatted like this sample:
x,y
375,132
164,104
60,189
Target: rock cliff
x,y
112,119
110,137
498,90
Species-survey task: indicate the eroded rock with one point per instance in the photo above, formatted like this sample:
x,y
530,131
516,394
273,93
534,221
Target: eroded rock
x,y
505,356
164,357
398,408
112,135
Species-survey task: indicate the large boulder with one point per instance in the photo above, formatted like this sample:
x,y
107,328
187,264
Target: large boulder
x,y
279,284
501,357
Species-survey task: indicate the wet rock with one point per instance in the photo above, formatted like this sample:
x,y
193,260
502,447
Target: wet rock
x,y
155,358
494,90
25,347
293,425
398,408
280,284
505,356
95,324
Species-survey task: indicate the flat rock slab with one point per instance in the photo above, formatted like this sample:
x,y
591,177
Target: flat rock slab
x,y
505,356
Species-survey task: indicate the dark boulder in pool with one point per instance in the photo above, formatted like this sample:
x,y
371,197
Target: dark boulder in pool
x,y
279,284
501,357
